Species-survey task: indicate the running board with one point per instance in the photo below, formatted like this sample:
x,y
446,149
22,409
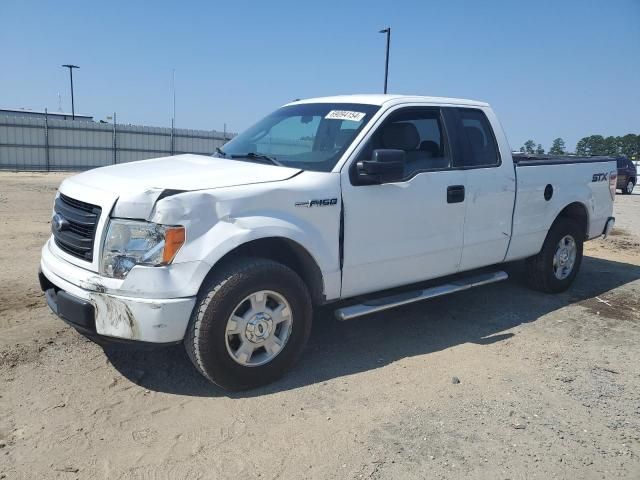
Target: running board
x,y
392,301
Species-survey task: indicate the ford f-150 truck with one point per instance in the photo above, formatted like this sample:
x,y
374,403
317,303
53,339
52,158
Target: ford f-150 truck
x,y
353,198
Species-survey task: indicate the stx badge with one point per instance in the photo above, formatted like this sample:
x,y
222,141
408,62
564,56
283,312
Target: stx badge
x,y
599,177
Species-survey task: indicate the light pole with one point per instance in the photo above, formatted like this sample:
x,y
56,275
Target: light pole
x,y
386,60
73,110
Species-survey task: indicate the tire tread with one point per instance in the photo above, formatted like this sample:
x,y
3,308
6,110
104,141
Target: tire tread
x,y
539,276
229,274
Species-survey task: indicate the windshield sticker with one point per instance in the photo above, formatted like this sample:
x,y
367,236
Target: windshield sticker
x,y
345,115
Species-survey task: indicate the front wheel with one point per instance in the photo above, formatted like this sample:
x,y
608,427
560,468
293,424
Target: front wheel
x,y
628,190
250,324
556,266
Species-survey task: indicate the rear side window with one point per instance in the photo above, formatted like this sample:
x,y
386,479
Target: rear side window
x,y
479,144
621,163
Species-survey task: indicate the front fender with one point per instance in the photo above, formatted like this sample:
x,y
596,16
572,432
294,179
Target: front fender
x,y
218,222
236,232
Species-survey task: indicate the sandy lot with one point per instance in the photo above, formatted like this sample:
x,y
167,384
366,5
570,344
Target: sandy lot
x,y
549,385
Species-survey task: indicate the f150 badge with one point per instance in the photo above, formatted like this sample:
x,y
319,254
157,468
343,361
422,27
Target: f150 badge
x,y
325,202
599,177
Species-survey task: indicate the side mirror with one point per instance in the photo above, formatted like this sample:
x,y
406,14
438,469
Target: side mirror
x,y
386,165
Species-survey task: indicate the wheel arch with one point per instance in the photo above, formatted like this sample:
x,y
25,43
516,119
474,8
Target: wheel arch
x,y
577,212
285,251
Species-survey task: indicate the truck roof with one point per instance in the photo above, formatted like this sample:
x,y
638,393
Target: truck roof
x,y
381,99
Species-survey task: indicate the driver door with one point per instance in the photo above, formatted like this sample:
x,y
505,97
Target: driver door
x,y
405,231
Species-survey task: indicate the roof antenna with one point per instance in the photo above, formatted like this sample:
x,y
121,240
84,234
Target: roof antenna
x,y
59,102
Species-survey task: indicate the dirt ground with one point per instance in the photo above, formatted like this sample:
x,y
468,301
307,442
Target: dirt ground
x,y
549,385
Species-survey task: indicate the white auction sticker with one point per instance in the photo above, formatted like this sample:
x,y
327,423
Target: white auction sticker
x,y
345,115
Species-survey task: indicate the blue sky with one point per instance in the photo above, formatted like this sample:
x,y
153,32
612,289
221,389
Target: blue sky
x,y
549,68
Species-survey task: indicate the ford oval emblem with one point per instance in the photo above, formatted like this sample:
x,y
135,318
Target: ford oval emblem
x,y
59,223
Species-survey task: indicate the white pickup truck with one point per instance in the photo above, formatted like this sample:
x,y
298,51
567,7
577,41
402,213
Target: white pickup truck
x,y
326,199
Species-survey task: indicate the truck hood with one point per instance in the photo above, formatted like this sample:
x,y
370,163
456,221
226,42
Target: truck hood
x,y
130,190
180,172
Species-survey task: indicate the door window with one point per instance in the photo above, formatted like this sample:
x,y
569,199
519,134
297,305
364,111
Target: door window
x,y
420,133
479,143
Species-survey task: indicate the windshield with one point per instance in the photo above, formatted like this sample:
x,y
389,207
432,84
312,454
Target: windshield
x,y
310,136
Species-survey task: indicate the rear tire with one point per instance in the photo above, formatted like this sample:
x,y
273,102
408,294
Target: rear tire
x,y
556,266
238,336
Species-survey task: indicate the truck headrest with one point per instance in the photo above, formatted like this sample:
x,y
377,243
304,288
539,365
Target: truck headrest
x,y
401,136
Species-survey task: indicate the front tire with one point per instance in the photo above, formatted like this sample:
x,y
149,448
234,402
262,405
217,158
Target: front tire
x,y
628,190
556,266
250,324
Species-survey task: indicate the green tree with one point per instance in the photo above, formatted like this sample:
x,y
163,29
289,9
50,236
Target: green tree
x,y
557,147
629,144
540,150
598,145
528,147
591,145
581,146
611,146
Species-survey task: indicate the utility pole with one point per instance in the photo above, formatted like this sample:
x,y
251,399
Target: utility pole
x,y
173,113
386,61
173,84
115,139
73,110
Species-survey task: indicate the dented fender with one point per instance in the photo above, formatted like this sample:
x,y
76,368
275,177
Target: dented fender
x,y
136,204
218,221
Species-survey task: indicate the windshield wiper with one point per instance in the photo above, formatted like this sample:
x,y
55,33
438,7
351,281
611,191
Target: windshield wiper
x,y
259,156
220,152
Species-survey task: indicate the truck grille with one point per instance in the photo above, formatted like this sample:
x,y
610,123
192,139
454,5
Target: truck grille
x,y
77,227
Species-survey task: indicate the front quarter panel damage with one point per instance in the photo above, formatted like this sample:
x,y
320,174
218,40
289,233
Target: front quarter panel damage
x,y
136,205
217,221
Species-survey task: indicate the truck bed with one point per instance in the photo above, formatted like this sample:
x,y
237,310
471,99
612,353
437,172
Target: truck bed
x,y
557,182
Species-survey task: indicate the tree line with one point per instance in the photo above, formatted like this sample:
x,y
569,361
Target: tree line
x,y
628,145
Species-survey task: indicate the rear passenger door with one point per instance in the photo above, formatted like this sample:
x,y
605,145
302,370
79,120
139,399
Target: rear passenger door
x,y
490,188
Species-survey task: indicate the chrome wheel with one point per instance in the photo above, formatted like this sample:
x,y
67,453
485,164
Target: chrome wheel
x,y
630,186
565,257
258,328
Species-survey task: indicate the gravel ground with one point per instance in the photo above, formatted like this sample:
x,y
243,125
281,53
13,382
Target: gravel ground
x,y
498,382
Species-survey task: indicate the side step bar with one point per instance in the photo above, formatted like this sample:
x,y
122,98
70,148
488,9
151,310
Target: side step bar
x,y
392,301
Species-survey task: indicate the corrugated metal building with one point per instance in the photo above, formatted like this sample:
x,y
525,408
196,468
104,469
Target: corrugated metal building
x,y
49,143
26,112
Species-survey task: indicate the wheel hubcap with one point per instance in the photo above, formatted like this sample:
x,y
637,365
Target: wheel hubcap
x,y
258,328
565,257
630,187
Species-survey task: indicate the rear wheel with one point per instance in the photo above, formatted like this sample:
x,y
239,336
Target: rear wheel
x,y
556,266
628,190
251,322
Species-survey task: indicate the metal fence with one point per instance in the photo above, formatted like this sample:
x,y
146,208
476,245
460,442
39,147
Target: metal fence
x,y
52,144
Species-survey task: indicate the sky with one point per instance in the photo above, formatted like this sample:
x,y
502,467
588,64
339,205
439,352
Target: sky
x,y
550,69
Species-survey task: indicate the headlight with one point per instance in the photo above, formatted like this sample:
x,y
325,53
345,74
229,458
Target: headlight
x,y
129,243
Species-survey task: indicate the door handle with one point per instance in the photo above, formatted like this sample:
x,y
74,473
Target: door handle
x,y
455,194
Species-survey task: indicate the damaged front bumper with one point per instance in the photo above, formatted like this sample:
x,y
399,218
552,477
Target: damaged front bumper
x,y
97,312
